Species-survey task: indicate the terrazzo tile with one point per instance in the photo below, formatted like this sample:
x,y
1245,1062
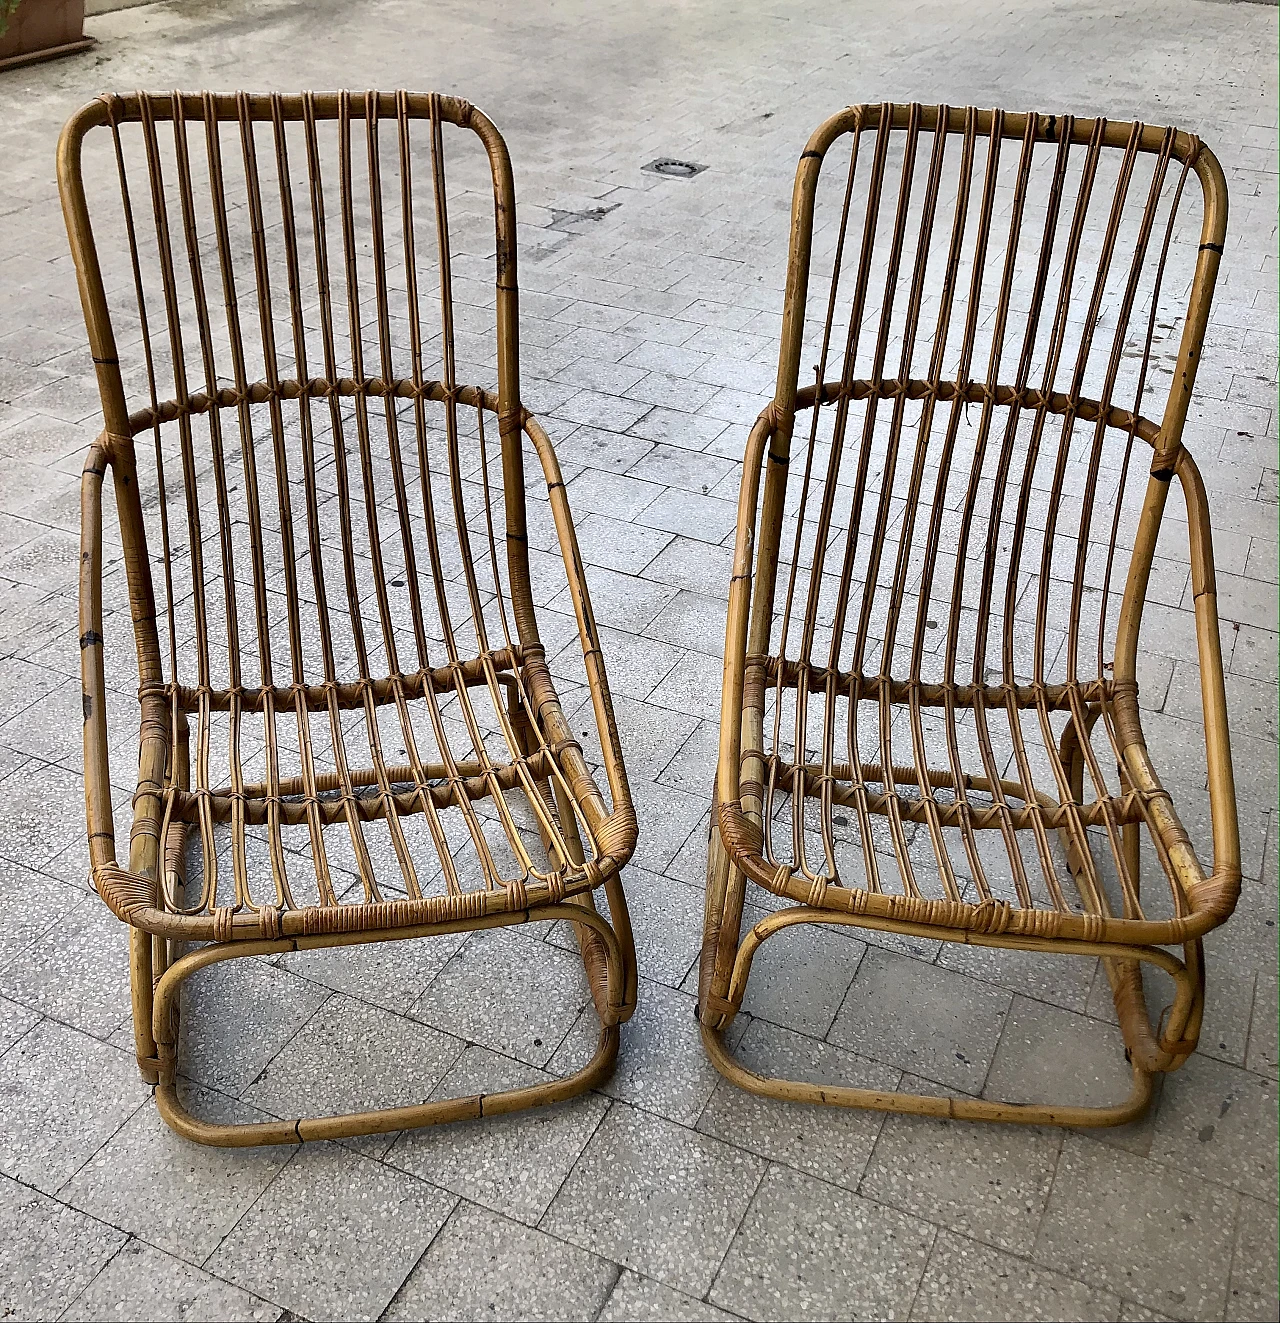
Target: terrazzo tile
x,y
388,974
661,1065
77,971
617,545
831,1143
1061,980
1211,1117
44,813
637,1299
25,683
1225,1028
352,1057
1145,1231
236,1016
671,817
62,1094
656,1198
666,921
15,1020
650,736
694,767
1250,940
1047,1054
300,1242
636,664
525,1013
666,925
510,1164
481,1265
48,1252
930,1021
692,686
1254,1285
33,904
972,1283
693,620
811,1250
193,1194
987,1182
1131,1313
143,1283
800,975
1264,1053
625,602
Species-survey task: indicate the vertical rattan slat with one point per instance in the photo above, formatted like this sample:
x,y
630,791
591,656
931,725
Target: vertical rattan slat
x,y
351,733
914,737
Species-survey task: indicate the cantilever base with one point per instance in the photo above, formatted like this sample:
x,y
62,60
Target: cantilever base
x,y
388,1119
610,964
918,1104
726,969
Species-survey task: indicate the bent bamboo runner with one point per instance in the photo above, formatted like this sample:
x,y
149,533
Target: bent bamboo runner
x,y
946,538
349,731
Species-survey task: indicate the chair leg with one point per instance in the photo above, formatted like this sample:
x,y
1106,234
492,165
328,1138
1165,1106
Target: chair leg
x,y
917,1104
716,1016
620,919
383,1120
173,853
150,957
1167,1046
725,892
619,915
143,996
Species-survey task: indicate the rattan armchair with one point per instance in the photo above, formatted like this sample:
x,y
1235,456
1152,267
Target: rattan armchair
x,y
349,731
946,537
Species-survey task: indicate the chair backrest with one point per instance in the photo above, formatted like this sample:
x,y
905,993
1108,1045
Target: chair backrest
x,y
993,309
296,311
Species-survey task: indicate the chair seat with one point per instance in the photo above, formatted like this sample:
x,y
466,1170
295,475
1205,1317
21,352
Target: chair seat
x,y
404,829
1023,831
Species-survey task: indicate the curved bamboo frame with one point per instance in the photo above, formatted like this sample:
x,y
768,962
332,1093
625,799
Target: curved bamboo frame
x,y
759,776
610,965
243,228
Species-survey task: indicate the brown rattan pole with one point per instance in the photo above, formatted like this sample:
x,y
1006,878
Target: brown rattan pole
x,y
426,798
942,462
235,647
999,129
311,115
289,550
356,331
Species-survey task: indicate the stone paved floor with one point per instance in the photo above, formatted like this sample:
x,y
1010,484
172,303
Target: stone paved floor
x,y
668,1195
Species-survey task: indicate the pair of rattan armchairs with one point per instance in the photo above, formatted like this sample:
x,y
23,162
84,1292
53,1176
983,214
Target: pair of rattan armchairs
x,y
331,554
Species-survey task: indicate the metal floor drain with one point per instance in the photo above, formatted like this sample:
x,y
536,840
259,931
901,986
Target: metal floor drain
x,y
667,165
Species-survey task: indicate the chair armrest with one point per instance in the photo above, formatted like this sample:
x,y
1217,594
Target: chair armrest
x,y
97,763
1225,881
735,644
616,826
1212,894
